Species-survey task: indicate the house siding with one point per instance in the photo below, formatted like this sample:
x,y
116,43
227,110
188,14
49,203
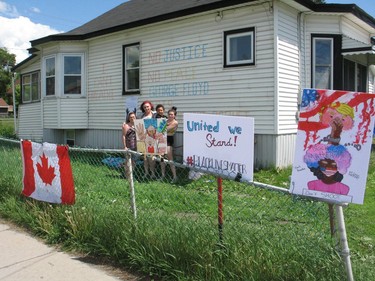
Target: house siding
x,y
51,112
288,70
73,113
30,122
200,84
352,30
269,91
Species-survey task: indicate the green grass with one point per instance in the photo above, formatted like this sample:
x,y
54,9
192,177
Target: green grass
x,y
266,235
7,127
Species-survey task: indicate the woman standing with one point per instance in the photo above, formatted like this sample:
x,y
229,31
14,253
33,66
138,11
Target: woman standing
x,y
129,135
172,125
147,112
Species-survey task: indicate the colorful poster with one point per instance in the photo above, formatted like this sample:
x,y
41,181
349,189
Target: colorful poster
x,y
151,136
221,144
333,145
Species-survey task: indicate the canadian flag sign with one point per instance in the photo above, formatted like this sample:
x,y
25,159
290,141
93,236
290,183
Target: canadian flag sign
x,y
47,173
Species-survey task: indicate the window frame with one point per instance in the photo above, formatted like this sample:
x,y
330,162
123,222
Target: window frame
x,y
68,138
329,65
64,75
45,76
125,69
336,60
30,84
230,34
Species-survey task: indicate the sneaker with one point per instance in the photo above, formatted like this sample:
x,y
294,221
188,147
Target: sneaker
x,y
174,180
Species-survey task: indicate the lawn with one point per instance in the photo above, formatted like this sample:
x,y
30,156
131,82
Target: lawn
x,y
266,235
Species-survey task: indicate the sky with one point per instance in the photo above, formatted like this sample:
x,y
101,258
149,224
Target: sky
x,y
22,21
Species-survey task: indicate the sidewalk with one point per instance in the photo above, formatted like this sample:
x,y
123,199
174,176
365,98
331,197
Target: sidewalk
x,y
23,257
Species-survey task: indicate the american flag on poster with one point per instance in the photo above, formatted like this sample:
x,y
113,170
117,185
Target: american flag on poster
x,y
47,173
333,145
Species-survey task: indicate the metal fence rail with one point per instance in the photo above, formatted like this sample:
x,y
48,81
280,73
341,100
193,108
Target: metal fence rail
x,y
252,219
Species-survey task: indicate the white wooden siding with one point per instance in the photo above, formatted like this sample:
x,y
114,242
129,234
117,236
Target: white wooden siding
x,y
246,91
353,31
73,113
287,69
51,112
30,122
35,66
65,113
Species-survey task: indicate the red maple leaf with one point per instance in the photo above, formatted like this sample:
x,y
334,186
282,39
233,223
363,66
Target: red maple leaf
x,y
46,173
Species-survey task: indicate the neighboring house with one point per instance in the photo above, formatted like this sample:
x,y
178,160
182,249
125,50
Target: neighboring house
x,y
4,108
242,58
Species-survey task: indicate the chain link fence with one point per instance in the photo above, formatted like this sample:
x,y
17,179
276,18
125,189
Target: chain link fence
x,y
254,225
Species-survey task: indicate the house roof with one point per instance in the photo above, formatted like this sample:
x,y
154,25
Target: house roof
x,y
135,13
3,103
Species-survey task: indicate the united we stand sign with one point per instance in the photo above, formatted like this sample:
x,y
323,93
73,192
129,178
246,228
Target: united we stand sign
x,y
47,173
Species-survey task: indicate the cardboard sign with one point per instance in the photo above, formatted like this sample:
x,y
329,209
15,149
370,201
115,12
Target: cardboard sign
x,y
151,135
221,144
333,145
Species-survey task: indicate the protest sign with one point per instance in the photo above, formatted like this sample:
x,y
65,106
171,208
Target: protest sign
x,y
151,135
333,145
218,143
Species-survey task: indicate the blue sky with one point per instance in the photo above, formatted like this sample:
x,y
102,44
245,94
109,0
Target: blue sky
x,y
367,5
62,15
22,21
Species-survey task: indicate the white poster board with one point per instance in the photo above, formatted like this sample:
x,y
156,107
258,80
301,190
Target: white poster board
x,y
333,146
221,144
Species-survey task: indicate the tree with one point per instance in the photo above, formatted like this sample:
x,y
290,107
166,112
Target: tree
x,y
320,1
7,61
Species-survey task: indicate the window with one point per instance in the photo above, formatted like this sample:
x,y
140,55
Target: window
x,y
70,137
349,75
355,76
323,63
30,87
50,76
72,74
361,78
239,47
131,69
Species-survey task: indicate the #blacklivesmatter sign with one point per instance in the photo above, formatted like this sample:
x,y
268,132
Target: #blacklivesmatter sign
x,y
221,144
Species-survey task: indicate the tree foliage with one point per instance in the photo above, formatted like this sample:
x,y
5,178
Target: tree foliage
x,y
7,61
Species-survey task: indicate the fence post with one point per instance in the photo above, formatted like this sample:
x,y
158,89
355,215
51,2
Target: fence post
x,y
220,208
345,252
129,176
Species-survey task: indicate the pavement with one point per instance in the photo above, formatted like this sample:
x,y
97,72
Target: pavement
x,y
23,257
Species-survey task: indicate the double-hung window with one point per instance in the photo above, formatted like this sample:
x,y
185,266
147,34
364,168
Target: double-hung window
x,y
30,87
131,70
63,75
355,76
72,74
50,76
322,63
239,47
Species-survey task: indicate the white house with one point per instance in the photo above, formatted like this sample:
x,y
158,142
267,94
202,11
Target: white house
x,y
238,57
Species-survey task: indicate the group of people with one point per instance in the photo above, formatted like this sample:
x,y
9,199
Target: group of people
x,y
129,132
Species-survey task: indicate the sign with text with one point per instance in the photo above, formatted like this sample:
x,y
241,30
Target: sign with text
x,y
333,146
221,144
